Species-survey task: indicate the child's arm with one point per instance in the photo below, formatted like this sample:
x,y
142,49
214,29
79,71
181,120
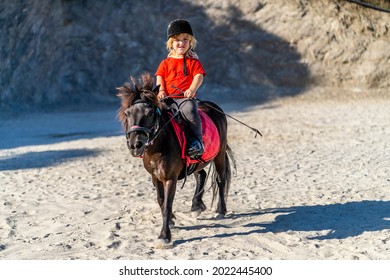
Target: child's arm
x,y
196,83
161,93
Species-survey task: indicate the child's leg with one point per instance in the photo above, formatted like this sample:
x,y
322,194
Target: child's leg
x,y
189,110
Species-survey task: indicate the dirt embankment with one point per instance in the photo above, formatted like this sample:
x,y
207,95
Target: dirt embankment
x,y
63,52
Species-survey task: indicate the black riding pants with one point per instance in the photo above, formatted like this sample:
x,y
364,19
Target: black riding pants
x,y
189,110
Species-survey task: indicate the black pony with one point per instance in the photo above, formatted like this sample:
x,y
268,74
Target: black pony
x,y
150,135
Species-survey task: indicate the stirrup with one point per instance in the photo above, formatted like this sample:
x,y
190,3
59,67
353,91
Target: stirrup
x,y
196,148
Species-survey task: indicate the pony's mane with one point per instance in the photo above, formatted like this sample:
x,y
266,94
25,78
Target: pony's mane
x,y
135,90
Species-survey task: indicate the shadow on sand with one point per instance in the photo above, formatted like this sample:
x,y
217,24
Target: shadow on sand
x,y
339,220
56,127
44,159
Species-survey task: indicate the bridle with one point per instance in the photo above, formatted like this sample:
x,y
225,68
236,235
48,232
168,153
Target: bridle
x,y
150,132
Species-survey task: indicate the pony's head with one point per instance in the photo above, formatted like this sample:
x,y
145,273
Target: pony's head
x,y
139,111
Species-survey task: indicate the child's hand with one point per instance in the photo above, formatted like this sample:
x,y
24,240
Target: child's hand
x,y
189,93
161,95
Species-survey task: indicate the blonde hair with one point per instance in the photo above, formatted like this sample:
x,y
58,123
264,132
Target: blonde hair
x,y
190,53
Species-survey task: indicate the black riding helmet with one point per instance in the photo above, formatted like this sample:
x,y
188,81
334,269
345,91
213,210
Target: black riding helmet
x,y
179,26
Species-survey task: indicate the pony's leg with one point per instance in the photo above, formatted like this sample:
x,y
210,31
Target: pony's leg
x,y
220,168
169,194
160,197
221,208
197,203
160,191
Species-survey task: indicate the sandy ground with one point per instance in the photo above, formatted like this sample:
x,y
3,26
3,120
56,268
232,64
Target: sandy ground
x,y
315,186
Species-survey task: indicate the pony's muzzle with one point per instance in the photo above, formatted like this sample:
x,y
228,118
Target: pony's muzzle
x,y
136,147
137,152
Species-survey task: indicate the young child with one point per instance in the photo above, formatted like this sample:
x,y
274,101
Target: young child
x,y
180,75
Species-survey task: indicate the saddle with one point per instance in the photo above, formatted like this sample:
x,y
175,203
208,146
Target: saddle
x,y
210,137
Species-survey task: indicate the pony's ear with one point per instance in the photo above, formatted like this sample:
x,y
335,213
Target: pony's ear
x,y
156,89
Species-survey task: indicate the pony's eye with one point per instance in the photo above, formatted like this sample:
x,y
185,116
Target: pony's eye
x,y
149,113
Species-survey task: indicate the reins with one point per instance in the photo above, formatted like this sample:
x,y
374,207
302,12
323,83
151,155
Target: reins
x,y
149,131
256,131
150,141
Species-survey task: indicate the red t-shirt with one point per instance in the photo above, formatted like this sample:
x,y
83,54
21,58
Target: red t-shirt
x,y
172,71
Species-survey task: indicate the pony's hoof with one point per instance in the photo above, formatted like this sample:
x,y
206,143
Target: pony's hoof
x,y
219,216
163,244
196,213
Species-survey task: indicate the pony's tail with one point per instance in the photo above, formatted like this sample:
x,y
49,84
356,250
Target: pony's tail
x,y
229,160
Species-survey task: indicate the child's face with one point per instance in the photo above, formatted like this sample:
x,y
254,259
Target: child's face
x,y
181,44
